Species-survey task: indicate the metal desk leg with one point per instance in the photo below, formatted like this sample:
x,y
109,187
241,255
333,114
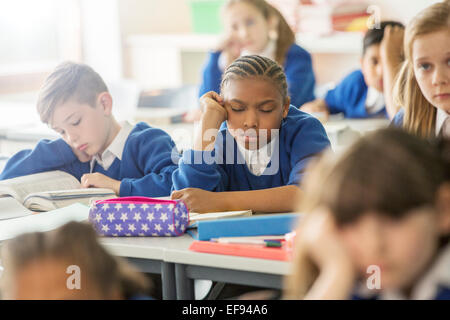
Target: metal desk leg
x,y
168,281
184,285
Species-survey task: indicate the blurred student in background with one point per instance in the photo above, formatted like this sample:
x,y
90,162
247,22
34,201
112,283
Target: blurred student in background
x,y
254,27
423,86
381,227
367,93
40,266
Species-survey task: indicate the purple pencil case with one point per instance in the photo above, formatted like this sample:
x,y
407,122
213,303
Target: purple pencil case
x,y
139,217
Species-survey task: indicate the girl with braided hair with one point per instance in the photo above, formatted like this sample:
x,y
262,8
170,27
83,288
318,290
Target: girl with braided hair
x,y
256,158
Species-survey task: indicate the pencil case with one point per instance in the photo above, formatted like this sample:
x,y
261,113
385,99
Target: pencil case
x,y
139,217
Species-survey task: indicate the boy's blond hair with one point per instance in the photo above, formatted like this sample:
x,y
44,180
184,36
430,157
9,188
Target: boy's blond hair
x,y
69,81
420,114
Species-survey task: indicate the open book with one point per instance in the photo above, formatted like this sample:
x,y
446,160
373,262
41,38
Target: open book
x,y
44,192
196,217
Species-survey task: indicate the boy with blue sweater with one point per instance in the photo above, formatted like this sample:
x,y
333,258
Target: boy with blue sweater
x,y
94,147
367,93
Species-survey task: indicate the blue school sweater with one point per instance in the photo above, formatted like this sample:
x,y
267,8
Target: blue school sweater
x,y
297,67
301,137
398,118
145,169
349,97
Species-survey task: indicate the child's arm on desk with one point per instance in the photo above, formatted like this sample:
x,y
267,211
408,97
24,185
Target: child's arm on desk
x,y
316,106
46,156
280,199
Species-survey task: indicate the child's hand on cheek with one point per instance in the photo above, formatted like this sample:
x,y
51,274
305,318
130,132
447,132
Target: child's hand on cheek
x,y
320,235
214,113
198,200
231,48
98,180
213,107
320,242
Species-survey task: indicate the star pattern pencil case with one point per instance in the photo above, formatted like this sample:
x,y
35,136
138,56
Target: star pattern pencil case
x,y
139,217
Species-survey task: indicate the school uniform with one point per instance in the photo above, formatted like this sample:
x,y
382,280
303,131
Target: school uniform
x,y
433,285
297,67
140,157
279,163
442,122
355,99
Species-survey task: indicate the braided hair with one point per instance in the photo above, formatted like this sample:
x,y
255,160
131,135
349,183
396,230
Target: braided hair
x,y
256,66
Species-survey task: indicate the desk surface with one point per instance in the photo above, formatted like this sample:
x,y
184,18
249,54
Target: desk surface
x,y
175,250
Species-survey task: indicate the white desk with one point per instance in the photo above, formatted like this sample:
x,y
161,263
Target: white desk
x,y
343,132
148,255
179,266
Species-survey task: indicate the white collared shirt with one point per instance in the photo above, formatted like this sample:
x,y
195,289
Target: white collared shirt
x,y
115,149
258,160
427,286
268,52
441,117
374,100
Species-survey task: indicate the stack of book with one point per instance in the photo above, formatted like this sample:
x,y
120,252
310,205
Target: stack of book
x,y
326,17
260,236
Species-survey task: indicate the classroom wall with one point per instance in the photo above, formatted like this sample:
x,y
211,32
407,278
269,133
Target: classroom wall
x,y
154,16
402,10
151,17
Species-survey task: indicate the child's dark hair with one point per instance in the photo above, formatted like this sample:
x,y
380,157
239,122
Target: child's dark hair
x,y
375,35
256,66
388,171
69,80
77,244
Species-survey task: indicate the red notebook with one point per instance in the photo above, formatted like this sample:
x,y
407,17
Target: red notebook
x,y
242,250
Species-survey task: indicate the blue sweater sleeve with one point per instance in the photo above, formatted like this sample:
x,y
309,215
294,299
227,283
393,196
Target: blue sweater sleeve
x,y
347,93
299,76
155,155
200,169
212,75
46,156
307,143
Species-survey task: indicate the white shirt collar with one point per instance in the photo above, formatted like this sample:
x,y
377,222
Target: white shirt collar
x,y
427,286
441,116
115,149
374,100
258,160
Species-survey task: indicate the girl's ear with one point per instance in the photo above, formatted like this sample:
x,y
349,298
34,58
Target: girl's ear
x,y
443,208
286,107
104,100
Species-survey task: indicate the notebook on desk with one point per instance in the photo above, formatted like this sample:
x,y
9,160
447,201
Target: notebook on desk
x,y
195,217
257,225
242,250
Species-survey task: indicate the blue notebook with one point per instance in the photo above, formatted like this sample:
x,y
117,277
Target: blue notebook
x,y
259,225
